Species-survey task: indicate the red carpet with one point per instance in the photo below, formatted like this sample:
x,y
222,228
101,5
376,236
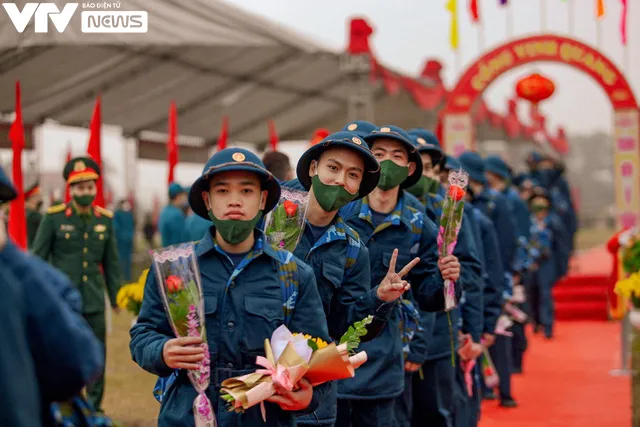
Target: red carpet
x,y
566,382
584,293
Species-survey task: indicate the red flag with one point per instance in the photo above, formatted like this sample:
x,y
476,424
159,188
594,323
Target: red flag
x,y
623,22
273,136
224,134
67,196
172,144
93,150
473,10
17,214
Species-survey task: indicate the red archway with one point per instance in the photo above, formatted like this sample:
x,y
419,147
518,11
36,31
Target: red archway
x,y
456,124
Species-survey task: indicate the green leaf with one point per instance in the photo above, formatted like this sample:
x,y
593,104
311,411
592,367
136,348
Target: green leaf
x,y
312,345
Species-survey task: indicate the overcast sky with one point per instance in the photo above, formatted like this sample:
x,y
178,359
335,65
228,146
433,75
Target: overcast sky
x,y
408,31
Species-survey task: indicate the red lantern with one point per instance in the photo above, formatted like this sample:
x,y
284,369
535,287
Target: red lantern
x,y
535,88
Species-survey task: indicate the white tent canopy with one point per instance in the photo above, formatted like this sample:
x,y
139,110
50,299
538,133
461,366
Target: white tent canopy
x,y
213,59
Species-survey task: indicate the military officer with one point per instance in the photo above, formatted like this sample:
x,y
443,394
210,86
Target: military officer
x,y
79,239
33,204
172,217
244,288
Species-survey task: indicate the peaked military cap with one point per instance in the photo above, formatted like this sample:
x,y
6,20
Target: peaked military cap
x,y
227,160
81,169
32,191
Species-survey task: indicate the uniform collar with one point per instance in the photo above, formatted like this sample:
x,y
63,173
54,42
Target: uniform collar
x,y
335,232
208,244
401,214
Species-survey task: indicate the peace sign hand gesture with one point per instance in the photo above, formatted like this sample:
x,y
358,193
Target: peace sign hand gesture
x,y
392,286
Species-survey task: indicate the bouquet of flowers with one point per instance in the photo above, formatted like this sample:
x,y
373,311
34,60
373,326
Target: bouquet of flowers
x,y
176,269
631,255
284,224
291,357
450,223
130,295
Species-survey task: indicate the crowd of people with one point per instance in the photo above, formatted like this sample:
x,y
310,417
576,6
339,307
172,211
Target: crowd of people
x,y
369,247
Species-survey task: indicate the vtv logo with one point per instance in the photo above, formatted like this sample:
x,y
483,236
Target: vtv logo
x,y
42,11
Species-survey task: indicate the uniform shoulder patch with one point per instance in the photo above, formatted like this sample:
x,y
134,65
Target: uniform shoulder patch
x,y
104,212
56,208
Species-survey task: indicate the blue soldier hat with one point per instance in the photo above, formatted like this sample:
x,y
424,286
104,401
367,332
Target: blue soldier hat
x,y
451,163
233,159
176,189
534,157
7,190
497,166
353,142
473,164
360,127
398,134
426,142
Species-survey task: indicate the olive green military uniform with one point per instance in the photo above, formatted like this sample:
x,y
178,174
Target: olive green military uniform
x,y
33,222
84,247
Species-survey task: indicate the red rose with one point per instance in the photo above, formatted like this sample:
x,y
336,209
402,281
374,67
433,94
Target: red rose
x,y
174,283
290,208
456,193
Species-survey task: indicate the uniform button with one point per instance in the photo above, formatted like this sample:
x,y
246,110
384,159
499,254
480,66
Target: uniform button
x,y
230,365
66,236
85,250
85,264
86,235
231,325
232,284
84,278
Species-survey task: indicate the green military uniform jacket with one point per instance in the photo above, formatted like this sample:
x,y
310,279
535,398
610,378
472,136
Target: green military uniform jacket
x,y
83,247
33,222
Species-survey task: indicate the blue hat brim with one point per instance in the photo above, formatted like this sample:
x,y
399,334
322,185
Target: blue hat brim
x,y
501,173
414,155
269,183
371,174
7,193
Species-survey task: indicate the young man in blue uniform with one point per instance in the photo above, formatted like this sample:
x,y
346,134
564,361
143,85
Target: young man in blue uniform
x,y
125,228
434,391
382,219
549,237
496,208
336,171
242,281
172,217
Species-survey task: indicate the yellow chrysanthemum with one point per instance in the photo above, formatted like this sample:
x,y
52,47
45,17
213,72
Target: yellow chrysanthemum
x,y
629,286
319,342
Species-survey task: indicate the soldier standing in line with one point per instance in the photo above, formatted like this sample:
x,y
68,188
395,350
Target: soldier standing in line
x,y
79,239
33,204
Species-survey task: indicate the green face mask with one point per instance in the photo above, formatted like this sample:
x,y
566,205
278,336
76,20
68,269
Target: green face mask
x,y
391,175
235,231
330,197
84,200
424,186
539,208
419,189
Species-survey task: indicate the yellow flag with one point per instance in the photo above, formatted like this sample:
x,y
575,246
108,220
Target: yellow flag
x,y
452,7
